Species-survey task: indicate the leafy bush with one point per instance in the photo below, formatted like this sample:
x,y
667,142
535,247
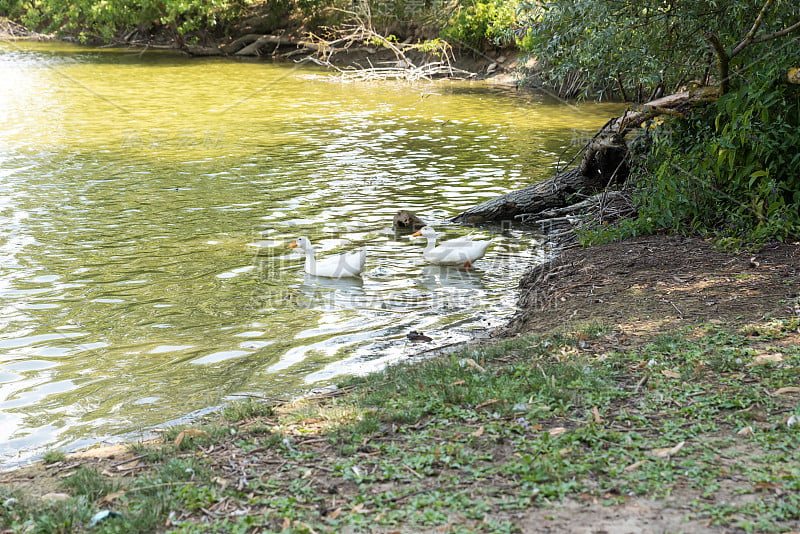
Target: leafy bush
x,y
630,49
482,22
101,19
732,169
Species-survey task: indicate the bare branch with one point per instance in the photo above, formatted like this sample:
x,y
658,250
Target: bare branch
x,y
781,33
751,34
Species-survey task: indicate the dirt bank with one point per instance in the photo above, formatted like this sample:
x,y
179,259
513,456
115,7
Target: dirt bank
x,y
659,283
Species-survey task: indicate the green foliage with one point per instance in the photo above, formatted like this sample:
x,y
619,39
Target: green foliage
x,y
244,409
52,457
475,23
731,170
89,482
457,387
59,517
481,22
103,19
596,47
492,437
181,470
595,234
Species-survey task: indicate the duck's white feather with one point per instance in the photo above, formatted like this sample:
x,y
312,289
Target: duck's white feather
x,y
460,251
335,266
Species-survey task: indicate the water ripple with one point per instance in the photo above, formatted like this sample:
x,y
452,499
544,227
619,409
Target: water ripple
x,y
144,273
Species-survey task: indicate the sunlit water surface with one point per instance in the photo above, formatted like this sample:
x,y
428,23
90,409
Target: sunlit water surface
x,y
146,201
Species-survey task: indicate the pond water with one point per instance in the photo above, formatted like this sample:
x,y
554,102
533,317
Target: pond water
x,y
146,201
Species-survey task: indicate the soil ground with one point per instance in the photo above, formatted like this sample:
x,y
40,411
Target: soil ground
x,y
649,285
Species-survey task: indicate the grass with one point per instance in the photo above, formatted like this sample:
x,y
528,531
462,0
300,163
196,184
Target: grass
x,y
245,409
53,457
468,442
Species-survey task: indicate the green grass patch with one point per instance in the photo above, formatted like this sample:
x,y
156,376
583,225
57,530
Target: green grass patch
x,y
247,408
88,482
53,457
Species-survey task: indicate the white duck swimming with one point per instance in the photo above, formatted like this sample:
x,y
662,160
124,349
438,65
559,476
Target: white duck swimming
x,y
336,266
461,251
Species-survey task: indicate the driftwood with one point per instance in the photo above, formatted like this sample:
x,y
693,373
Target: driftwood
x,y
559,225
411,73
264,43
203,51
12,30
604,164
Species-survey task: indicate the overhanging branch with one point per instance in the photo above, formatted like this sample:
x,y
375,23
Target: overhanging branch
x,y
752,33
781,33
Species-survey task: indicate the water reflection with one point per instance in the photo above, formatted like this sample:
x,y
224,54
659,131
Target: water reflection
x,y
332,293
440,276
143,268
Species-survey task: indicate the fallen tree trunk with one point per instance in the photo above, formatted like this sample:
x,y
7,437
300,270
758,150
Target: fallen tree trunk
x,y
257,47
239,43
321,52
604,164
555,192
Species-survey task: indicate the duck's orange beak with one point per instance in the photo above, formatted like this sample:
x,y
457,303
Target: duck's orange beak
x,y
293,244
417,233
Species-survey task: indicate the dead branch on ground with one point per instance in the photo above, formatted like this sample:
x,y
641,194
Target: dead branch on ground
x,y
359,36
407,61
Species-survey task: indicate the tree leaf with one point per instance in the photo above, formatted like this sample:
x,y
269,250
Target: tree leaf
x,y
111,497
668,452
472,363
487,403
634,466
596,415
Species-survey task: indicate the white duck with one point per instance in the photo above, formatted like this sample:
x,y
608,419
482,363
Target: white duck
x,y
336,266
461,251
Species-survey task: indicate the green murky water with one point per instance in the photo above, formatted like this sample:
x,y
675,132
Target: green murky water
x,y
146,201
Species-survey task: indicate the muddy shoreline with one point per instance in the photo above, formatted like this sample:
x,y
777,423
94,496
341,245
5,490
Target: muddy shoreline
x,y
655,284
